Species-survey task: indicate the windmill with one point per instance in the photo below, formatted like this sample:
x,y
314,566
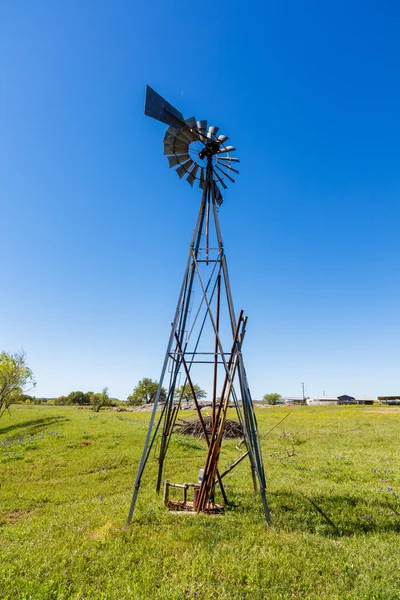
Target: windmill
x,y
199,153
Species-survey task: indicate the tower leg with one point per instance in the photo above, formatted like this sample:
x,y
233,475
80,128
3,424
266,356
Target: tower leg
x,y
144,456
177,325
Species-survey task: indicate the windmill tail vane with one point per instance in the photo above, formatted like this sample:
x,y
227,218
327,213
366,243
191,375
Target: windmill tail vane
x,y
199,152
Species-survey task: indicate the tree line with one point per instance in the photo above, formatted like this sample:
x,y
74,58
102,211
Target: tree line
x,y
17,379
143,393
146,392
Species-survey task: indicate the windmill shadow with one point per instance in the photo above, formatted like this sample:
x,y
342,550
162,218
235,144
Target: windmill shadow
x,y
328,516
34,425
334,516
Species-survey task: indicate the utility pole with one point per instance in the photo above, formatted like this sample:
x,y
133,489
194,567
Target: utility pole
x,y
302,387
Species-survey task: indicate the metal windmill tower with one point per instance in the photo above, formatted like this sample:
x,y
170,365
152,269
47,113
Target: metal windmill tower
x,y
200,154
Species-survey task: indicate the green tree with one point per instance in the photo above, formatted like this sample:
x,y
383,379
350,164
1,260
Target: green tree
x,y
185,392
93,399
273,398
100,400
78,398
15,375
145,391
27,399
61,401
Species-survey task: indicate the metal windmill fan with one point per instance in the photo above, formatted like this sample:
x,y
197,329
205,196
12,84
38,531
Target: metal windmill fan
x,y
191,147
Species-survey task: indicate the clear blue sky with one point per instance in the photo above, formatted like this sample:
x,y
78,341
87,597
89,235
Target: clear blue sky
x,y
95,227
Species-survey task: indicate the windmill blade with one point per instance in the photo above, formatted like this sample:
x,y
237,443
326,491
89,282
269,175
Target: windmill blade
x,y
202,183
175,138
220,180
180,142
168,149
184,168
176,148
171,132
193,135
212,132
179,136
192,175
169,138
158,108
184,135
225,174
177,159
227,166
191,122
226,149
223,138
230,158
182,139
193,130
202,129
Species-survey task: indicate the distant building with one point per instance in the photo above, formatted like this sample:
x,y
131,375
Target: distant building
x,y
323,400
344,399
293,400
390,400
365,400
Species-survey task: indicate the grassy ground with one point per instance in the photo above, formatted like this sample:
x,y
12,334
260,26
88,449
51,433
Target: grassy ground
x,y
66,480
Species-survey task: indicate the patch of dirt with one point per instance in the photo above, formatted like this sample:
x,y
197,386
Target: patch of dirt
x,y
101,534
13,516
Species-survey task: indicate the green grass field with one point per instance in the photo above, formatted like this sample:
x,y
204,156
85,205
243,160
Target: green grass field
x,y
66,480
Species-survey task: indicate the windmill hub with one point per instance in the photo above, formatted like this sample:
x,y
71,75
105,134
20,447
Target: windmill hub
x,y
209,151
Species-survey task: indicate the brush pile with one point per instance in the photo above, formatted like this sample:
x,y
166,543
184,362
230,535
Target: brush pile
x,y
233,429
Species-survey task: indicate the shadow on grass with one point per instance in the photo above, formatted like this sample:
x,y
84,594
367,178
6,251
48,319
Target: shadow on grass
x,y
34,425
330,516
324,515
